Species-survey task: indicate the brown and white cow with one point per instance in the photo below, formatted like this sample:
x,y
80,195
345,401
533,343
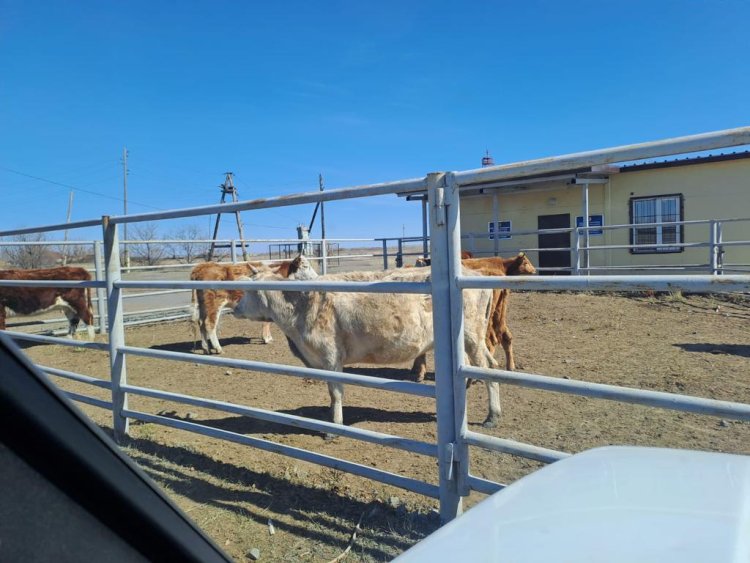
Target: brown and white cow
x,y
330,330
208,303
75,302
497,329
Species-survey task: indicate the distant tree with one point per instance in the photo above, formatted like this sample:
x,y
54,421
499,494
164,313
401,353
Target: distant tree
x,y
188,248
147,252
28,256
74,253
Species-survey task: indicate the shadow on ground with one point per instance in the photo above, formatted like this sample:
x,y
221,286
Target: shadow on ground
x,y
319,515
352,415
195,346
742,350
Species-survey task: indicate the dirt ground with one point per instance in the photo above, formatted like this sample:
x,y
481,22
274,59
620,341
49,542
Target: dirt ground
x,y
696,346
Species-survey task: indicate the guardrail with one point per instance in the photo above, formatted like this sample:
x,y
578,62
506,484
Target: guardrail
x,y
445,287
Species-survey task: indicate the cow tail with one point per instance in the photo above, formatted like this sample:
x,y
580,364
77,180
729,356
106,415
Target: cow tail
x,y
90,309
195,318
194,304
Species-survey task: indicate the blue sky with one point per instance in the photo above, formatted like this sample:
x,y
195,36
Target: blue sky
x,y
358,91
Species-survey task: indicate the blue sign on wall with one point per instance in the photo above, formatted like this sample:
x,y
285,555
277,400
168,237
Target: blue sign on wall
x,y
502,232
594,221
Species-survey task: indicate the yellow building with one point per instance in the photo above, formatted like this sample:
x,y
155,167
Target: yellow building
x,y
684,206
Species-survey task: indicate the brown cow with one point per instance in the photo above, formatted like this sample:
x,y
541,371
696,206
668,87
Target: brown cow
x,y
422,262
497,329
75,302
208,303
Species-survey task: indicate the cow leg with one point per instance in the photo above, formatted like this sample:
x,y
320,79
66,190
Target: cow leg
x,y
336,391
2,316
493,392
266,335
204,336
73,321
211,328
507,342
419,368
480,356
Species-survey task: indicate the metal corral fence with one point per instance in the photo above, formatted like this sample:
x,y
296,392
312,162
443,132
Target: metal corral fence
x,y
708,234
446,288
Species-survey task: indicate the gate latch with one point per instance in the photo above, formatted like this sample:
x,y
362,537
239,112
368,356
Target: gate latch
x,y
448,459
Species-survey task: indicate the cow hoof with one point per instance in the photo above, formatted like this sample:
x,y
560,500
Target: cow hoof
x,y
329,437
420,379
490,423
268,340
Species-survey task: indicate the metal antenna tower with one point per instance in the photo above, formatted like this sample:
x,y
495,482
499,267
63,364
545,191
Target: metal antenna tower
x,y
227,188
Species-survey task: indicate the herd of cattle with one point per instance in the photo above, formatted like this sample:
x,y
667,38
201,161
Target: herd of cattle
x,y
325,330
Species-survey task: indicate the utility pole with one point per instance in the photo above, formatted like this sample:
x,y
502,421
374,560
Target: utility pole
x,y
126,251
323,243
65,235
227,188
322,210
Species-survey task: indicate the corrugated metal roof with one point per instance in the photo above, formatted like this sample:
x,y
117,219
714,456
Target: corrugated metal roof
x,y
687,161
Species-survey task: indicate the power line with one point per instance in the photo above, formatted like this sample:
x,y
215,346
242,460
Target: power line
x,y
69,187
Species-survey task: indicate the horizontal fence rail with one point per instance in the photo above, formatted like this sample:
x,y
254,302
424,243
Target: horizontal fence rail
x,y
42,339
661,399
404,186
96,382
512,447
51,228
696,283
340,286
51,283
406,387
414,446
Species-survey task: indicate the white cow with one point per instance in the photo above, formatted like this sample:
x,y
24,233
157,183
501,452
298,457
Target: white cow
x,y
331,330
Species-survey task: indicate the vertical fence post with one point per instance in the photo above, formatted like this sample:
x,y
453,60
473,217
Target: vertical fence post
x,y
400,253
385,254
233,251
101,293
425,250
445,239
496,221
118,371
713,250
586,232
324,256
576,252
719,247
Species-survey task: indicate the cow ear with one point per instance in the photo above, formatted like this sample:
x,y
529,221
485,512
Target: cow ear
x,y
521,254
295,265
253,269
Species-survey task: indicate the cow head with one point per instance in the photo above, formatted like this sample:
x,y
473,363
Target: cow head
x,y
521,266
301,269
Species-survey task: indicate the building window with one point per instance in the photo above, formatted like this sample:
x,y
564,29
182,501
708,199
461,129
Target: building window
x,y
657,212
